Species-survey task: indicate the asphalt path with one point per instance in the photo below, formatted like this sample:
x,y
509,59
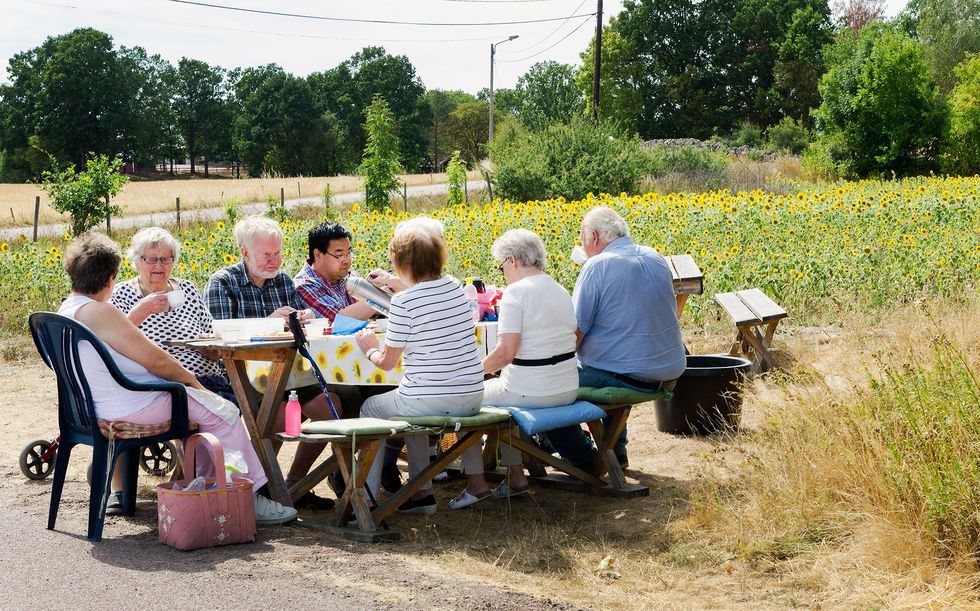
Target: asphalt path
x,y
211,214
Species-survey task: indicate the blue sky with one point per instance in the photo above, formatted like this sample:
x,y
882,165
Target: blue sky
x,y
445,57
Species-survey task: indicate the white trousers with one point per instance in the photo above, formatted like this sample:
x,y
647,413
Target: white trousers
x,y
495,395
394,403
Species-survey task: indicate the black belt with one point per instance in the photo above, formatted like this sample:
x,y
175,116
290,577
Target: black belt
x,y
551,360
655,386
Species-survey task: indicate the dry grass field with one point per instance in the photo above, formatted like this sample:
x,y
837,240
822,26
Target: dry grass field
x,y
138,197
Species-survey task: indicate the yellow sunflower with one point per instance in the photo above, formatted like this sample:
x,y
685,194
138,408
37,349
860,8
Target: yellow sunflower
x,y
344,350
338,375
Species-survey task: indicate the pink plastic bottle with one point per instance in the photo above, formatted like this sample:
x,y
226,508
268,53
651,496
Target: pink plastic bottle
x,y
294,415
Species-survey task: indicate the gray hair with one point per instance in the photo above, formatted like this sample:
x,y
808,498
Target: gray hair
x,y
525,246
606,222
426,223
149,237
247,229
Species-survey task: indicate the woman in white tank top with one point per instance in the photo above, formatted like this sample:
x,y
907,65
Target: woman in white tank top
x,y
92,263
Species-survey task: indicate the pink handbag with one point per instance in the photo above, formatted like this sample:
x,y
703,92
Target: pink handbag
x,y
219,515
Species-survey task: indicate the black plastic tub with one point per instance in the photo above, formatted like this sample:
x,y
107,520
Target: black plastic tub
x,y
707,398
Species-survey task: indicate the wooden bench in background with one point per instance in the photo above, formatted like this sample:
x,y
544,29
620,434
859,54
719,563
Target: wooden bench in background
x,y
688,279
750,310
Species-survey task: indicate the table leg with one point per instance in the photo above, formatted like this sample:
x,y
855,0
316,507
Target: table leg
x,y
263,447
354,497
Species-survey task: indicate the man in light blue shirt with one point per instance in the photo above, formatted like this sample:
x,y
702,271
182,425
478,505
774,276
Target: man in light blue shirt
x,y
628,331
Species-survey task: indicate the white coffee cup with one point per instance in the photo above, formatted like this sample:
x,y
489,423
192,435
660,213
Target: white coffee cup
x,y
176,299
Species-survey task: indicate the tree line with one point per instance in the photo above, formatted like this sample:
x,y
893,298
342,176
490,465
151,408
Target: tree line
x,y
873,96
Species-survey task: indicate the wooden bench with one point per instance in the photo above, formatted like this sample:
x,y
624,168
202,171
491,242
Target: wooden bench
x,y
688,279
750,310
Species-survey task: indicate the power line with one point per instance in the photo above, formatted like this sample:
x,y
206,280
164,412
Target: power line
x,y
184,24
375,21
549,47
560,26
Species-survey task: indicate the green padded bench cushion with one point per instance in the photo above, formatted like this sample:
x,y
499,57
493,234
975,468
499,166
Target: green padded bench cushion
x,y
351,426
487,416
614,394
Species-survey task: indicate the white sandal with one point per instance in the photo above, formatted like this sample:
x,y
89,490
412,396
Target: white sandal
x,y
465,499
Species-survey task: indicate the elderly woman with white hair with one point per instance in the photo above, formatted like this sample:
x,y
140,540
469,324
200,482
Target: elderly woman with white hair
x,y
535,352
153,253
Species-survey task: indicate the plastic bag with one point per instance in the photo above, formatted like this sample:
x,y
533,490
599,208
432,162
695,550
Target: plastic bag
x,y
234,463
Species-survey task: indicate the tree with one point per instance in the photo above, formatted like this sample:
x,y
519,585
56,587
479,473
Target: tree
x,y
441,103
199,104
619,98
152,133
505,101
278,129
964,121
855,14
381,165
879,106
799,63
70,92
349,88
949,30
85,195
468,127
548,95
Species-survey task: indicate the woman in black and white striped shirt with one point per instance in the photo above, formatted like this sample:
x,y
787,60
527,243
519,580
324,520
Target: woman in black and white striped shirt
x,y
431,329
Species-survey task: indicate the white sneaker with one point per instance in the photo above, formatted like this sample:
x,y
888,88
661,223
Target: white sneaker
x,y
269,512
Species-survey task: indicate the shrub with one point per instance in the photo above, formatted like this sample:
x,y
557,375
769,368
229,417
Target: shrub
x,y
964,120
85,195
788,136
879,104
747,134
276,210
456,177
688,166
231,209
567,160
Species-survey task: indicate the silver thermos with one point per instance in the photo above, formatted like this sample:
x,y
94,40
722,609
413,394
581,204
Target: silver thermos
x,y
369,294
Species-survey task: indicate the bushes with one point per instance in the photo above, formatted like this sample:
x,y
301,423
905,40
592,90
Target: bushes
x,y
964,120
687,167
879,105
788,136
568,160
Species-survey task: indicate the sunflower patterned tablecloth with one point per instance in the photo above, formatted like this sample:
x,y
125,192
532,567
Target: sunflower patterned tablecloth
x,y
342,362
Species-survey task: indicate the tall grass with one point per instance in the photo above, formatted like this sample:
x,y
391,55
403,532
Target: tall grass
x,y
875,452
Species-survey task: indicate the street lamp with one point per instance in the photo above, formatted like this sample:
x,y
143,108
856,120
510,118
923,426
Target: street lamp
x,y
493,50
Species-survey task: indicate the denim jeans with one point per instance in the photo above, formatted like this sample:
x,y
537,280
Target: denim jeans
x,y
600,378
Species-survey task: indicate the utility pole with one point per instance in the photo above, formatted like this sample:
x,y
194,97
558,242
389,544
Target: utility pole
x,y
493,51
598,62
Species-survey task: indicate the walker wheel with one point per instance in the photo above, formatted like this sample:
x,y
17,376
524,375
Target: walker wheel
x,y
158,458
32,463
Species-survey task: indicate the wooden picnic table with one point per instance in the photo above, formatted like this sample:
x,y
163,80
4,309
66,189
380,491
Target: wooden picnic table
x,y
259,410
688,279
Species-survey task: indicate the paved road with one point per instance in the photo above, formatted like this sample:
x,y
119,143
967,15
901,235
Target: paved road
x,y
206,214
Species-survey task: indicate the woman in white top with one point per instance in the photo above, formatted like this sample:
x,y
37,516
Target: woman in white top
x,y
92,263
535,352
431,326
153,252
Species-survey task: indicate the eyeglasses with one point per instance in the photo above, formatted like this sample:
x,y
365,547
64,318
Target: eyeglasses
x,y
349,255
155,260
502,264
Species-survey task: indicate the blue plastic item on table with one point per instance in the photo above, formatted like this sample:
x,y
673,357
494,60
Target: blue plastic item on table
x,y
345,325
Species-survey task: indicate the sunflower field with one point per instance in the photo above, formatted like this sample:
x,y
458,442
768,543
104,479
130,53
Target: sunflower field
x,y
818,250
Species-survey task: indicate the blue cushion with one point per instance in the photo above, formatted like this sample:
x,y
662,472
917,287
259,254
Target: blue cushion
x,y
538,420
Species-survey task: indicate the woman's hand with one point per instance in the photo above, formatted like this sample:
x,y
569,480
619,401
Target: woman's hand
x,y
196,384
154,303
367,340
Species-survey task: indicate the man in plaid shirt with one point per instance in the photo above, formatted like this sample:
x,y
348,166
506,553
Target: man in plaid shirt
x,y
322,283
256,287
